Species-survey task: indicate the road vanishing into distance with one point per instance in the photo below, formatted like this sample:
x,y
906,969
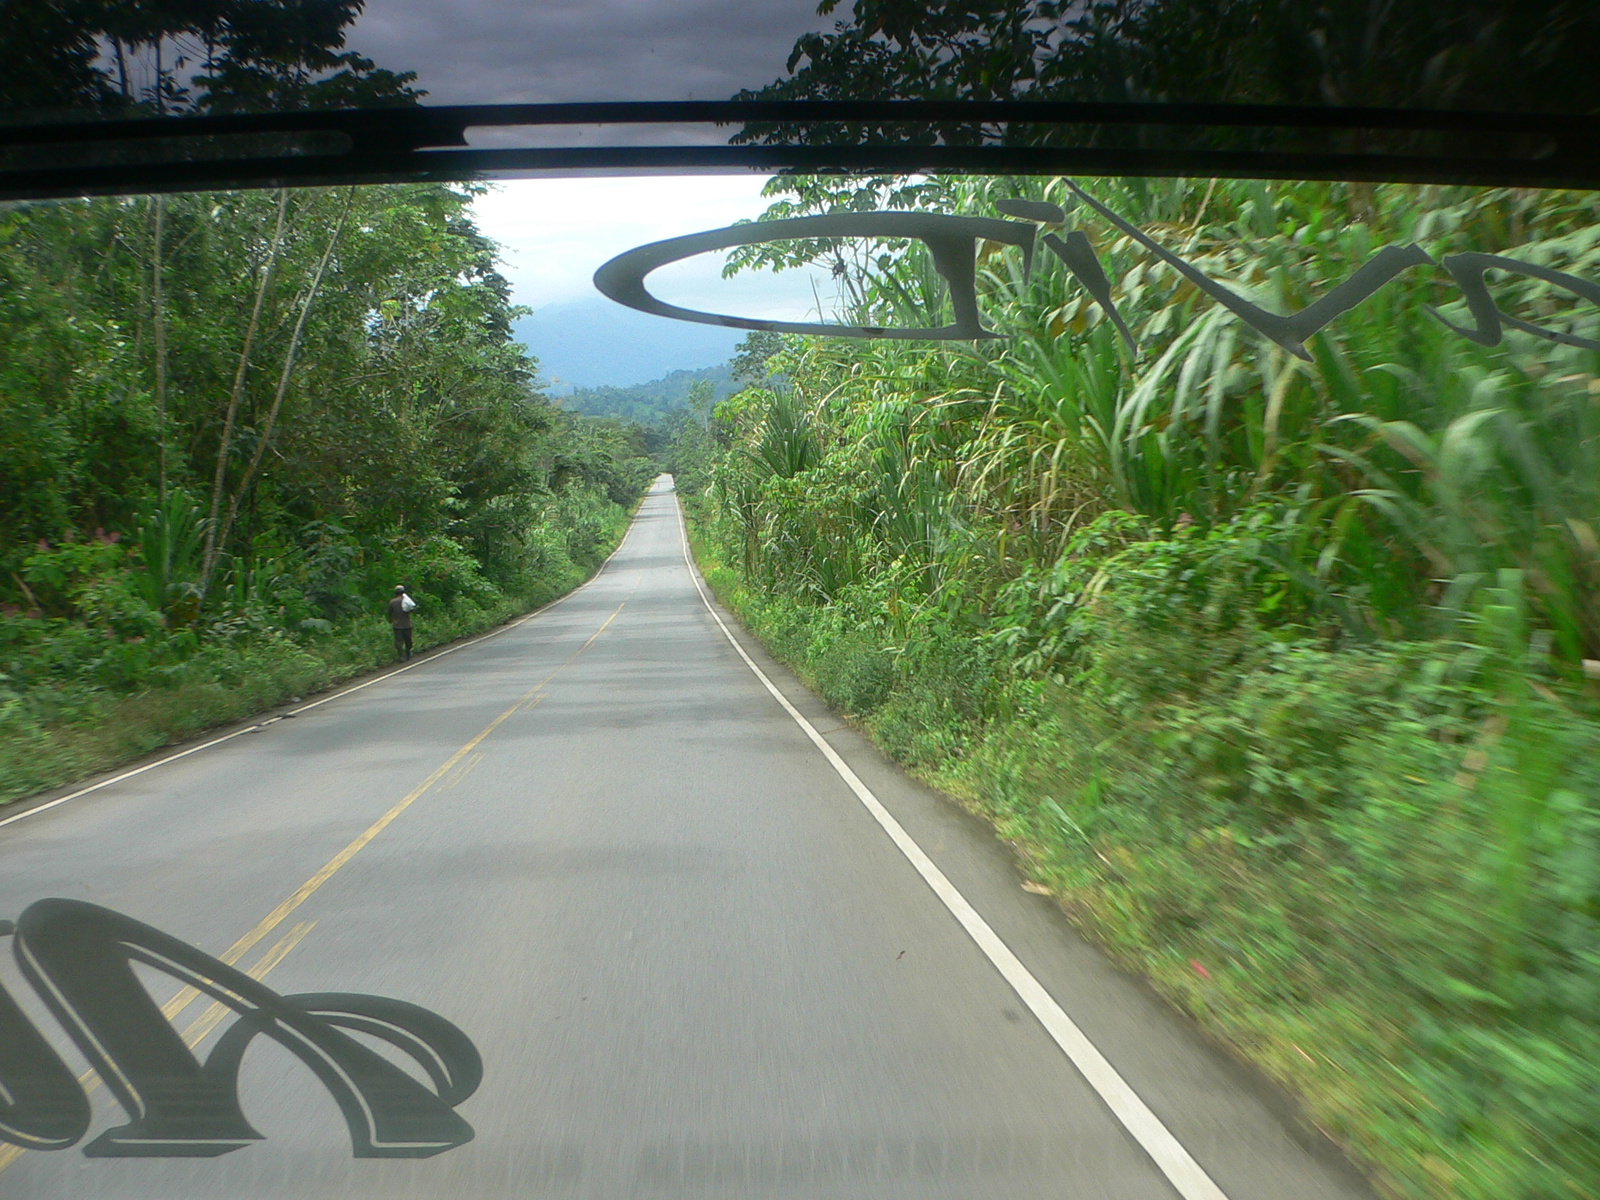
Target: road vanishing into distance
x,y
701,949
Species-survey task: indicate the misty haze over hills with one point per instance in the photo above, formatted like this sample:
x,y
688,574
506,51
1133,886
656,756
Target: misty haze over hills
x,y
594,343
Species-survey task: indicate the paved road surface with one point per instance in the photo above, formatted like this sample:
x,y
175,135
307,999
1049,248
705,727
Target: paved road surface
x,y
692,959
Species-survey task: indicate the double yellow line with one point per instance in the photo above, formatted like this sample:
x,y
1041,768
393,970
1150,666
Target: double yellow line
x,y
188,995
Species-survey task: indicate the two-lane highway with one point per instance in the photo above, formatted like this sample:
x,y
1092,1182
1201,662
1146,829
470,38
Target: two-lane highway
x,y
694,956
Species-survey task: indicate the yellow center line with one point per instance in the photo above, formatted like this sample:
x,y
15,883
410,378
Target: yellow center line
x,y
188,994
208,1020
466,768
300,895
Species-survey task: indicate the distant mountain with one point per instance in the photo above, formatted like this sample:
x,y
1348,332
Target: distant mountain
x,y
649,403
592,343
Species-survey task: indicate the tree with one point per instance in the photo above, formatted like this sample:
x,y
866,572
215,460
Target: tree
x,y
750,361
171,56
1531,55
47,58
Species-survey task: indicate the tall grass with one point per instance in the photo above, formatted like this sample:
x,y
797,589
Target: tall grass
x,y
1415,462
1226,636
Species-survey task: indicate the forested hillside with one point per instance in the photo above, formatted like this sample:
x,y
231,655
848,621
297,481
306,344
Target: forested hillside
x,y
1284,674
655,402
230,424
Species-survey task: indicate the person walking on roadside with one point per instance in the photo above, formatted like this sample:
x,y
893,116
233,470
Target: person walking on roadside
x,y
400,621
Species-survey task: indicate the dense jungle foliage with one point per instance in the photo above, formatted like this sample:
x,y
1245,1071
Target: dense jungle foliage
x,y
230,424
1284,675
1493,55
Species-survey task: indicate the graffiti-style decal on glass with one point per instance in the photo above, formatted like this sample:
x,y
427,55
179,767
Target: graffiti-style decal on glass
x,y
79,957
952,240
1468,271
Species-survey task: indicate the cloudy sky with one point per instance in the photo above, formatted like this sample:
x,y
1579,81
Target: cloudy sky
x,y
526,51
556,232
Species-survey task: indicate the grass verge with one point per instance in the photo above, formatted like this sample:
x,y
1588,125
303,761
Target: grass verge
x,y
1375,883
224,683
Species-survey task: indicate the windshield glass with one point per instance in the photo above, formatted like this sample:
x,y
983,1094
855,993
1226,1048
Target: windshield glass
x,y
119,59
575,621
97,95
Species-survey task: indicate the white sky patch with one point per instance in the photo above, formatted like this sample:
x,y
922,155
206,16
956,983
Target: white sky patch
x,y
556,232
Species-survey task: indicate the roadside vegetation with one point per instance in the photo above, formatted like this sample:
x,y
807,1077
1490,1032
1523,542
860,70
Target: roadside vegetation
x,y
1284,676
230,424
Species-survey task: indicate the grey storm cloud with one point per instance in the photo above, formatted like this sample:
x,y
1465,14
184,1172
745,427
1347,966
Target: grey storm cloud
x,y
543,51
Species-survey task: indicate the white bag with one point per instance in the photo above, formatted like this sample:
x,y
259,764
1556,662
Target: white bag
x,y
407,604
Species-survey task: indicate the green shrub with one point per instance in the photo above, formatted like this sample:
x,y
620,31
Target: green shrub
x,y
1387,851
853,674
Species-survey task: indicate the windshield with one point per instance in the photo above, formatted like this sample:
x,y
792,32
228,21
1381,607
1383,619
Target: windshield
x,y
97,95
119,59
906,600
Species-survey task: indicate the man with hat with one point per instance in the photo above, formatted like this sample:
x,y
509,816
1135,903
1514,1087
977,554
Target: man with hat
x,y
400,621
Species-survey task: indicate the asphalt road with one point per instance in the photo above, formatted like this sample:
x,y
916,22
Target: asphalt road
x,y
693,959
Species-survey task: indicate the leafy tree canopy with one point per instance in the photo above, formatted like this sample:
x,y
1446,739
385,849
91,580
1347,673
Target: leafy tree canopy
x,y
1485,54
165,56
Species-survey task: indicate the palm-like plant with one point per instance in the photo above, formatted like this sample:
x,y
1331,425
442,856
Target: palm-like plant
x,y
1415,461
170,541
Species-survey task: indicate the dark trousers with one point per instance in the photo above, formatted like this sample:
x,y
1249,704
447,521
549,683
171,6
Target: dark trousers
x,y
402,641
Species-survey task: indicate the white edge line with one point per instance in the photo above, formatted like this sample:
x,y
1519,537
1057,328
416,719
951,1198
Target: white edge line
x,y
1168,1154
295,712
